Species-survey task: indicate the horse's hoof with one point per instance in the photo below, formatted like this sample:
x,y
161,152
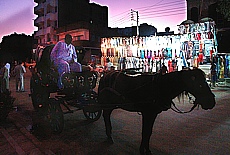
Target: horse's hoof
x,y
110,140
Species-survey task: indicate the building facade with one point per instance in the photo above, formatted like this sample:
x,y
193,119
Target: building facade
x,y
46,21
83,20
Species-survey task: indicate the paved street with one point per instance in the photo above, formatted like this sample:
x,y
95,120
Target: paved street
x,y
198,133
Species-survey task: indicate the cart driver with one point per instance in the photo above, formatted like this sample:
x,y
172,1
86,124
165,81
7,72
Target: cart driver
x,y
64,57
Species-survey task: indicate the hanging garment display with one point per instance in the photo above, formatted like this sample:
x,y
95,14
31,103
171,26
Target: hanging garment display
x,y
193,39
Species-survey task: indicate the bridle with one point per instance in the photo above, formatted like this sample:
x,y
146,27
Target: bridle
x,y
175,109
191,101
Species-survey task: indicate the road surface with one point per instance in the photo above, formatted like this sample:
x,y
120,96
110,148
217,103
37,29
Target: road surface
x,y
197,133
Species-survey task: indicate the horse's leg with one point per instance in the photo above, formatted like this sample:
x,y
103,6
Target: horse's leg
x,y
148,119
108,126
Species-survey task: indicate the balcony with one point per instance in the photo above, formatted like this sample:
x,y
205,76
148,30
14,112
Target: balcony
x,y
51,16
39,20
39,8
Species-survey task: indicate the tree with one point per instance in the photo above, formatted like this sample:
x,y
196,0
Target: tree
x,y
223,8
16,47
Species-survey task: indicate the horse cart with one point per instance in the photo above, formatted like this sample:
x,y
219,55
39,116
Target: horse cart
x,y
49,101
148,94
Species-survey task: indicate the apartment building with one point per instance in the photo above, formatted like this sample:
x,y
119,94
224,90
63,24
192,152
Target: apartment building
x,y
46,21
85,21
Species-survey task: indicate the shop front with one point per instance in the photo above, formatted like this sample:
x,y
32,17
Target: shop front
x,y
193,46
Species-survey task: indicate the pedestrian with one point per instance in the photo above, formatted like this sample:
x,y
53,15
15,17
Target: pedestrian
x,y
211,53
213,74
19,71
5,77
64,57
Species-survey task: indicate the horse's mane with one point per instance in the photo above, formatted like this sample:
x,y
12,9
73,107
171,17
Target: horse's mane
x,y
181,96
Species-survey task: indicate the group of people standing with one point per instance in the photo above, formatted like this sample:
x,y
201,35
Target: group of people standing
x,y
6,72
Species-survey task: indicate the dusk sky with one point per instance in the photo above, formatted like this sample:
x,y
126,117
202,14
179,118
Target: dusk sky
x,y
18,15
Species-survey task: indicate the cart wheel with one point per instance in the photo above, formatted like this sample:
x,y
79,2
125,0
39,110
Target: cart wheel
x,y
55,116
48,119
92,113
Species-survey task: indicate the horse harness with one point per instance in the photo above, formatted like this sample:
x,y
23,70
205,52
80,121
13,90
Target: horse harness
x,y
155,78
183,112
127,101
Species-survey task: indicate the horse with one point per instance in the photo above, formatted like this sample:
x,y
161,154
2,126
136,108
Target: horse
x,y
149,95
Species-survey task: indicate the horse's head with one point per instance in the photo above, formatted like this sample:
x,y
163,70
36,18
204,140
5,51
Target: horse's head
x,y
195,83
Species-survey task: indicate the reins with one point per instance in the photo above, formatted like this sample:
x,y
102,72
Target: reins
x,y
175,109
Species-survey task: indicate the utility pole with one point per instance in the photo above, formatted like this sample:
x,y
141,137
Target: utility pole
x,y
137,20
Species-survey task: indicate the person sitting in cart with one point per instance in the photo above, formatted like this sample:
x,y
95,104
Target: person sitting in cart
x,y
64,57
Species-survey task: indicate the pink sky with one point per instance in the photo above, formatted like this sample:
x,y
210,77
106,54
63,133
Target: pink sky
x,y
159,13
17,15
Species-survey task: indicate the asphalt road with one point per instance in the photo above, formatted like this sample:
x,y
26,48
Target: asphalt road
x,y
197,133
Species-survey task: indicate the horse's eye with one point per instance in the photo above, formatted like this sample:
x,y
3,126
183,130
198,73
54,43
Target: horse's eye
x,y
193,78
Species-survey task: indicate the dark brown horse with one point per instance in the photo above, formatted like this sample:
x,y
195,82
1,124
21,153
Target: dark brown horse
x,y
150,95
